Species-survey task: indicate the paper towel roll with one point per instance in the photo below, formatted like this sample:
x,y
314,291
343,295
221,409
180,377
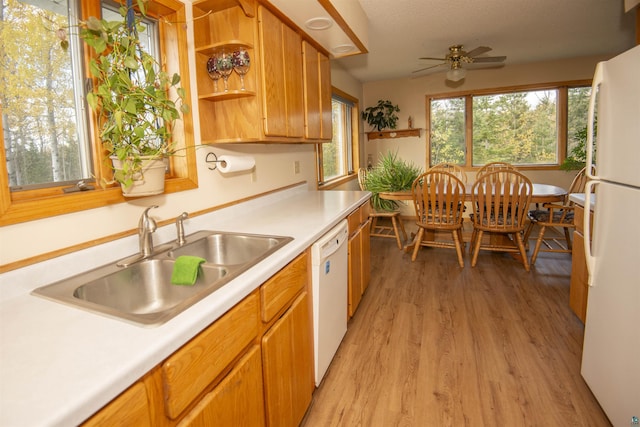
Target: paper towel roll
x,y
236,163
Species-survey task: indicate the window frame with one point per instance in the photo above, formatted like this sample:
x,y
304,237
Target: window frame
x,y
562,112
355,146
29,205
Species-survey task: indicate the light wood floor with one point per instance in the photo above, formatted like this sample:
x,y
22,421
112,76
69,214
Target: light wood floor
x,y
436,345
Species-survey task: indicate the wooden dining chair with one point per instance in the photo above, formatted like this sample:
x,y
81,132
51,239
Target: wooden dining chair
x,y
501,202
438,198
452,168
379,229
495,166
554,216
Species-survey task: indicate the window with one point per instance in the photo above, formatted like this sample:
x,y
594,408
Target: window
x,y
338,159
523,127
44,121
48,140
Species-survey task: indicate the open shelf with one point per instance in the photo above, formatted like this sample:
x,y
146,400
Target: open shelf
x,y
396,133
210,49
232,94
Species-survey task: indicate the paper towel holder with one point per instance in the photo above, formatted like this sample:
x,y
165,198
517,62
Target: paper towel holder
x,y
215,160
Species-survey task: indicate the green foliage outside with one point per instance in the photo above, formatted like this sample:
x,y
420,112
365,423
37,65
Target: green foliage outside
x,y
39,120
388,175
519,128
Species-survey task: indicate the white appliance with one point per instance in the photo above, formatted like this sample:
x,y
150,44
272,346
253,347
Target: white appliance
x,y
329,283
611,351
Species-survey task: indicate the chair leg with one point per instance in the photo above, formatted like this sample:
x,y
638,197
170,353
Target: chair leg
x,y
536,249
476,249
418,242
374,224
462,243
458,241
567,236
394,223
523,252
404,233
527,233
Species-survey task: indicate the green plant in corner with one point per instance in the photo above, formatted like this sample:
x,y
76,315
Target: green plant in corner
x,y
577,159
381,116
132,95
390,174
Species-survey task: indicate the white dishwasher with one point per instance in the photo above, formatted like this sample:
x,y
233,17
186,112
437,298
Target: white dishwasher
x,y
329,282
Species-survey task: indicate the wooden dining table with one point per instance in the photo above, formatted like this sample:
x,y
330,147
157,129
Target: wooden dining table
x,y
541,193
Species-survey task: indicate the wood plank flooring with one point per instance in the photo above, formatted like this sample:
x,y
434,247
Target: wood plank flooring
x,y
436,345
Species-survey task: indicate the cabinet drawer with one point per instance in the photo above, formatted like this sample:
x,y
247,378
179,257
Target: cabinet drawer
x,y
192,368
283,286
130,408
354,219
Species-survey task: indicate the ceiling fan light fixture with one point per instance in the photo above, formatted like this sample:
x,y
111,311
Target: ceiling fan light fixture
x,y
456,74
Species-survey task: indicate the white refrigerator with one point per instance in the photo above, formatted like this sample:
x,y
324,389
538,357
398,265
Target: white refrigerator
x,y
611,350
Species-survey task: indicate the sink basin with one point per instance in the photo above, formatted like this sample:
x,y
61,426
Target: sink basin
x,y
230,248
142,292
145,288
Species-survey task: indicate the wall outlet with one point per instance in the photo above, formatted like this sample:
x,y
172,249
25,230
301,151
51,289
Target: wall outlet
x,y
296,167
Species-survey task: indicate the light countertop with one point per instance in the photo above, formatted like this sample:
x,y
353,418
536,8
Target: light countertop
x,y
60,364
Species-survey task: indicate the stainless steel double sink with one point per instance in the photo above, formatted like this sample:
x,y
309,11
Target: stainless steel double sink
x,y
142,292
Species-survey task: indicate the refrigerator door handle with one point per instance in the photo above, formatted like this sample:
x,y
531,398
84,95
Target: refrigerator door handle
x,y
597,80
590,260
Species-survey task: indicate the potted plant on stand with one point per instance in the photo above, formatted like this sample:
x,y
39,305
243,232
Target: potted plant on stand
x,y
136,102
381,116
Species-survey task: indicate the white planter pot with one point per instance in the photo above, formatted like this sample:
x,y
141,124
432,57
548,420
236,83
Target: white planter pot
x,y
149,181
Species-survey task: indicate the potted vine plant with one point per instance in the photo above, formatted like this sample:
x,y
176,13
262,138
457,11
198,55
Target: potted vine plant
x,y
382,115
132,97
389,175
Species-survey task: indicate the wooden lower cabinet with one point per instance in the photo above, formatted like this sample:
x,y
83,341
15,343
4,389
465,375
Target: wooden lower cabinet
x,y
251,367
579,287
236,401
359,256
287,360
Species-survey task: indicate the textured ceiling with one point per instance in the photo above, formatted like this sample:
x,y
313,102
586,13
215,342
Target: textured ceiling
x,y
401,31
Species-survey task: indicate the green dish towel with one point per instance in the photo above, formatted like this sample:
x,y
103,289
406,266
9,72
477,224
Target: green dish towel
x,y
185,270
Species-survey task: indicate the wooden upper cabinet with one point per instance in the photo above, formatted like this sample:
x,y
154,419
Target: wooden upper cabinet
x,y
325,97
282,83
272,106
317,93
313,117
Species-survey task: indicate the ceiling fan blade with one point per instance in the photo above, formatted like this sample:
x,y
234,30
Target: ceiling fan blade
x,y
489,59
428,68
478,51
435,59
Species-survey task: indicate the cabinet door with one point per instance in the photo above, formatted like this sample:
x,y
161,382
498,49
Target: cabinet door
x,y
287,359
236,401
292,48
273,83
325,97
313,117
355,272
365,252
282,89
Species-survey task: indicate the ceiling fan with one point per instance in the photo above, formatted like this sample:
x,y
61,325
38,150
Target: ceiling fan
x,y
457,56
